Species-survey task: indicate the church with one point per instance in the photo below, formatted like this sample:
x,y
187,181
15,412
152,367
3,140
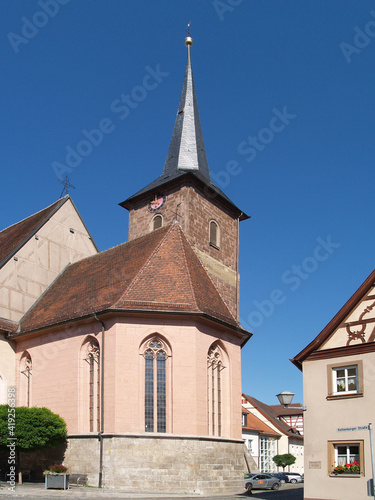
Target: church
x,y
146,334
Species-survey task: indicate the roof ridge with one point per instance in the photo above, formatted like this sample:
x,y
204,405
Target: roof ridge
x,y
279,424
29,232
137,277
124,243
211,280
38,212
181,234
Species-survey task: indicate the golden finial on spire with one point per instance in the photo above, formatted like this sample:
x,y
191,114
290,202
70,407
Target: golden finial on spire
x,y
188,39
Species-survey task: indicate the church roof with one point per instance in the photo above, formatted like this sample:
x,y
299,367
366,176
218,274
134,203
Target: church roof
x,y
8,326
14,237
158,272
187,155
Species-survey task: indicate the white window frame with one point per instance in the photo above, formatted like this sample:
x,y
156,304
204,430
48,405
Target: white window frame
x,y
346,379
347,457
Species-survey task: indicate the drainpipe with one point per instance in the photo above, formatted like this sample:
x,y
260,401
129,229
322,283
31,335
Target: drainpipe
x,y
100,433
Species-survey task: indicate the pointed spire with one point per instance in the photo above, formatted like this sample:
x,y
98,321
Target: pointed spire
x,y
186,150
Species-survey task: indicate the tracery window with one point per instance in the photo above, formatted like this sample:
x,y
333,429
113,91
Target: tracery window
x,y
155,355
25,379
90,385
215,368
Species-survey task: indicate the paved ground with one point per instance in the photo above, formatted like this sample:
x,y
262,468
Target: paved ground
x,y
37,490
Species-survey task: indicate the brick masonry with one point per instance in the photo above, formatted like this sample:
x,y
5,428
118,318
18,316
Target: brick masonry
x,y
194,209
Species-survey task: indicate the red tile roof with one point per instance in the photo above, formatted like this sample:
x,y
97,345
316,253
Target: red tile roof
x,y
254,424
282,412
8,326
271,415
156,272
14,237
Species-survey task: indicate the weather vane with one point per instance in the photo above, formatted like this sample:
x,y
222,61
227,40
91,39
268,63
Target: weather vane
x,y
66,187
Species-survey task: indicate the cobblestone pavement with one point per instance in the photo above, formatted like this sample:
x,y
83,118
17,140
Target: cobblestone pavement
x,y
37,490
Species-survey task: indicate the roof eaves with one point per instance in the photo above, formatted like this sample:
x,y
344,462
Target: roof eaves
x,y
268,415
335,321
112,310
210,189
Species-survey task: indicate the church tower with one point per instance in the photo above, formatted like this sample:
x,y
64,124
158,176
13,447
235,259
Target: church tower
x,y
185,193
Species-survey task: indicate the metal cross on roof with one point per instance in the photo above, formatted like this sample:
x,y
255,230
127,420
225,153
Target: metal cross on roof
x,y
66,187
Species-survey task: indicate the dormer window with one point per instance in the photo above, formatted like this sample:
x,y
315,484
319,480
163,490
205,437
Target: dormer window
x,y
214,236
157,222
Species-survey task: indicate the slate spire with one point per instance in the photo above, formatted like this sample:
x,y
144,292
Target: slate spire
x,y
186,150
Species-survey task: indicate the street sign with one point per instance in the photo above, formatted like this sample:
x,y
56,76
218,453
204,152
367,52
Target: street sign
x,y
350,429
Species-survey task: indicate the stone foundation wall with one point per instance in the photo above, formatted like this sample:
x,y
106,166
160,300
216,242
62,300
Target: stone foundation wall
x,y
166,464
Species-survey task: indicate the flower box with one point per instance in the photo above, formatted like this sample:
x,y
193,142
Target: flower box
x,y
57,477
56,480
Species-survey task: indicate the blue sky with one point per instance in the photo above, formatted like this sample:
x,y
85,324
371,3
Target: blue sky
x,y
286,99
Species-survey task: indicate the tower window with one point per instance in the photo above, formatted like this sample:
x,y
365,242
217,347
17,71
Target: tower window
x,y
214,236
157,222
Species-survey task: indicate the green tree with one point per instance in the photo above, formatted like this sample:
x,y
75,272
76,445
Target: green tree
x,y
29,429
284,460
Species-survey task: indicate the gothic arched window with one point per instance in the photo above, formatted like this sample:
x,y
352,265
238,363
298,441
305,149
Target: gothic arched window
x,y
25,379
214,236
215,368
90,385
3,391
155,356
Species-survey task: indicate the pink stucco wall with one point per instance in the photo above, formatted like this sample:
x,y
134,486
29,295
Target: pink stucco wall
x,y
57,382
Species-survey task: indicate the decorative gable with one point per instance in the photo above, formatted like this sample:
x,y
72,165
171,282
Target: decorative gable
x,y
351,331
358,327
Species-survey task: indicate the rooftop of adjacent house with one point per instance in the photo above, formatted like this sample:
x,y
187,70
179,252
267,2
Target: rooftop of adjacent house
x,y
323,336
272,416
14,237
158,272
254,424
281,411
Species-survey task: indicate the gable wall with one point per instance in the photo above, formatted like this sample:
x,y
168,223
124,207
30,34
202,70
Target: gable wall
x,y
7,367
358,327
321,421
40,261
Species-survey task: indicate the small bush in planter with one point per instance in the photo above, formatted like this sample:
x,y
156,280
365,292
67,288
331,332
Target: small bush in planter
x,y
56,469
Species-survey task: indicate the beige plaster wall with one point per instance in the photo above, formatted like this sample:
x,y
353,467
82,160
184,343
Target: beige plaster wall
x,y
40,261
285,444
323,418
7,367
